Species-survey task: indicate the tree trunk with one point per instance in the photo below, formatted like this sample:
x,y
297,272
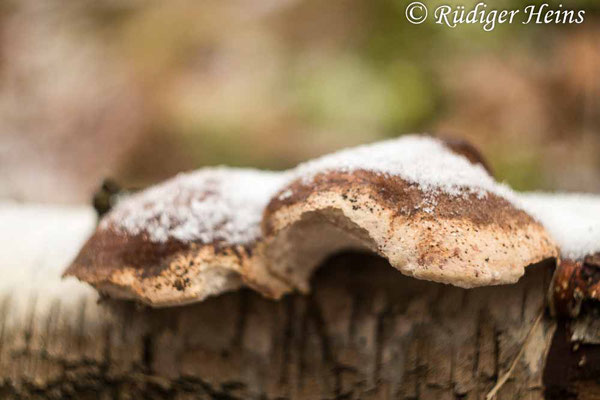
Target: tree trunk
x,y
364,332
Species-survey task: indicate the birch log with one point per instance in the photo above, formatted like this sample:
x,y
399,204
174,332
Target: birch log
x,y
364,332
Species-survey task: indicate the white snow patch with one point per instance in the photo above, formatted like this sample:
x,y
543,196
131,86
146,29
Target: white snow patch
x,y
573,220
37,242
211,204
286,194
419,159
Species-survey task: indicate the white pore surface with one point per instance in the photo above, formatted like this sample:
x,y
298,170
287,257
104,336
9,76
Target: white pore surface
x,y
212,204
37,242
422,160
573,220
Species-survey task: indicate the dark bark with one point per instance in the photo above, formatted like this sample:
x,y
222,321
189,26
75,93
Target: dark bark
x,y
364,332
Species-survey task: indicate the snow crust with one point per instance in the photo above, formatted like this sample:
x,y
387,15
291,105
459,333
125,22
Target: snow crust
x,y
419,159
573,220
226,204
208,205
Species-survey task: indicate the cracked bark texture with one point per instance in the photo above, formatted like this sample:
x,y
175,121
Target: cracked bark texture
x,y
365,332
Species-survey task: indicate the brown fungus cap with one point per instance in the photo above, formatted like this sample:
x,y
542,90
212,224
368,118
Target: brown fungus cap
x,y
465,240
193,236
429,206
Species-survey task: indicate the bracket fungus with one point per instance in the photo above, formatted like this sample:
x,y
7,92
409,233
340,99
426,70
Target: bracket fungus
x,y
429,206
433,213
190,237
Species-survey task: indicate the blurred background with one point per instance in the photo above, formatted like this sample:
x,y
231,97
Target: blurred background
x,y
139,90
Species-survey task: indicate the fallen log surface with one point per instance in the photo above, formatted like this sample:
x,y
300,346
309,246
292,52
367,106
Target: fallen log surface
x,y
364,332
